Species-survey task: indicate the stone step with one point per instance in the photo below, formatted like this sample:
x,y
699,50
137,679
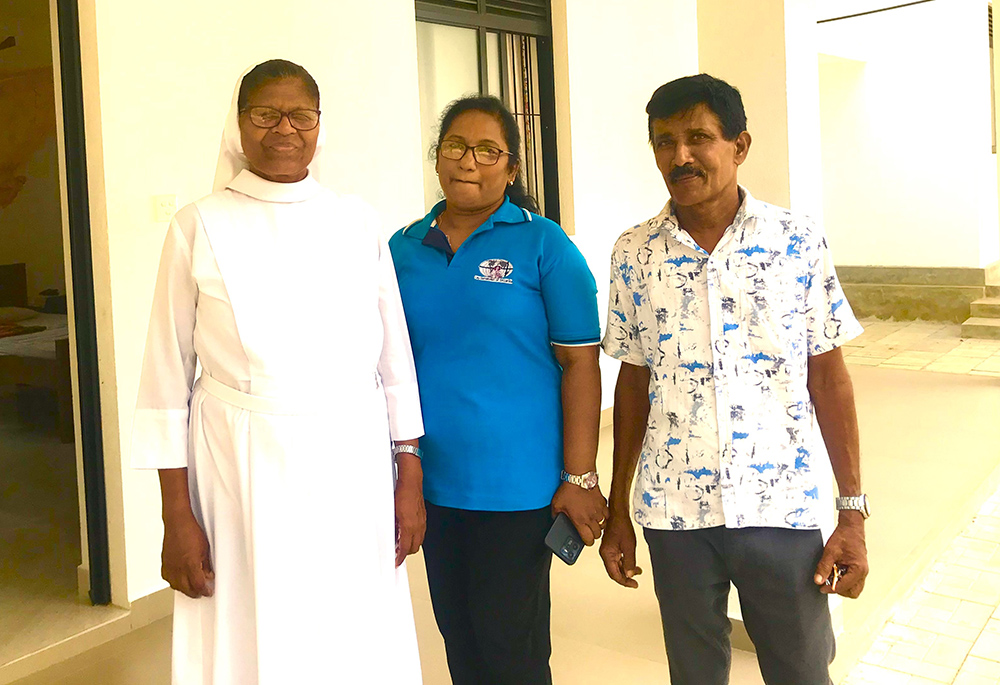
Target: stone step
x,y
993,291
980,327
988,307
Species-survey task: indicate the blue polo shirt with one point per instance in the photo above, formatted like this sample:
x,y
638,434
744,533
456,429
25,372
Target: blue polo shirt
x,y
482,321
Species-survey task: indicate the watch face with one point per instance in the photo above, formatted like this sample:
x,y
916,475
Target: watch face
x,y
590,481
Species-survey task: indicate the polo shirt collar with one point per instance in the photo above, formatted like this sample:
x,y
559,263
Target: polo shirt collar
x,y
251,184
507,213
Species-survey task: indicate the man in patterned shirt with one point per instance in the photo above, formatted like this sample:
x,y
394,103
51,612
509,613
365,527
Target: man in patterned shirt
x,y
727,316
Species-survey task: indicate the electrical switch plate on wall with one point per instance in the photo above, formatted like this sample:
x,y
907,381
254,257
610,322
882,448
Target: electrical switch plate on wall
x,y
164,207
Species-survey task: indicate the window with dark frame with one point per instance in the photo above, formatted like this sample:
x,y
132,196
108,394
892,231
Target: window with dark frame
x,y
516,37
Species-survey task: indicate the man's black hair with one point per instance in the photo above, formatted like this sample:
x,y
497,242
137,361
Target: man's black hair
x,y
682,94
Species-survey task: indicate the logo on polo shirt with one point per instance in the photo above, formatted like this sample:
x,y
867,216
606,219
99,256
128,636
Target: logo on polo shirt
x,y
495,271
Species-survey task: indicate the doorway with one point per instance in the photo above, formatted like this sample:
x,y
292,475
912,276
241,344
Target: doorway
x,y
52,529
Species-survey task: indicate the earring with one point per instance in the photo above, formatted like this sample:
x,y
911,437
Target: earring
x,y
510,183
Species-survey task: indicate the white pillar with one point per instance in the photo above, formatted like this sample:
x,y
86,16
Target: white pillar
x,y
767,49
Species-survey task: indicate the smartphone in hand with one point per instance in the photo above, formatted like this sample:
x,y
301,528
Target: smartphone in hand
x,y
563,539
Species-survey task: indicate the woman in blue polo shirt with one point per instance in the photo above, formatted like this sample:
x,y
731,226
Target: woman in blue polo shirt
x,y
502,314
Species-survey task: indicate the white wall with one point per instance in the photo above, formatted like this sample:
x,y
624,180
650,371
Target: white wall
x,y
909,177
158,84
609,58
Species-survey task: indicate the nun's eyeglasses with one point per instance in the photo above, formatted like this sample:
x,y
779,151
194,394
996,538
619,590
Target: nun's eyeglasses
x,y
268,117
487,155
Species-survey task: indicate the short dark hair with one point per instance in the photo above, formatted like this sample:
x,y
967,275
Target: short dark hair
x,y
517,192
682,94
272,70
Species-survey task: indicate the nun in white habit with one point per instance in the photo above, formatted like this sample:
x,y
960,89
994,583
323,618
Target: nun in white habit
x,y
276,463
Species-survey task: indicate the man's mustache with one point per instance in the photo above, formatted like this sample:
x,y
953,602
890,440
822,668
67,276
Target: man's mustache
x,y
684,171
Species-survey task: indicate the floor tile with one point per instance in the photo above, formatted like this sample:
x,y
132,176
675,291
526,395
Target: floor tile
x,y
972,679
991,364
983,667
948,651
945,628
970,352
971,614
947,365
876,675
990,374
927,599
924,669
987,646
907,651
893,632
855,360
908,366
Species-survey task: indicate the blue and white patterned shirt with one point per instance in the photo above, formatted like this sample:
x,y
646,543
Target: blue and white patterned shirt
x,y
731,437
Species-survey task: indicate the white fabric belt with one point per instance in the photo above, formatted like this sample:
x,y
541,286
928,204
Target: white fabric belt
x,y
262,404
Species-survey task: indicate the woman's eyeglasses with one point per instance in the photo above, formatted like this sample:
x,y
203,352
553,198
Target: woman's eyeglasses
x,y
268,117
486,155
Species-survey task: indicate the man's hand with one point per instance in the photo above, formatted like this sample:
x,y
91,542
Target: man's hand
x,y
411,516
846,548
186,560
618,551
587,509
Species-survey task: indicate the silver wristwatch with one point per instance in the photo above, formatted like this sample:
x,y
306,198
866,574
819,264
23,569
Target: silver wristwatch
x,y
587,481
409,449
859,503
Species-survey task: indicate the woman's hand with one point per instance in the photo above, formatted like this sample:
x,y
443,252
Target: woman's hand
x,y
186,558
186,561
587,509
411,516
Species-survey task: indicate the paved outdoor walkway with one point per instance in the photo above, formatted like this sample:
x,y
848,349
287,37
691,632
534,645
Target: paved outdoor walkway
x,y
947,630
923,345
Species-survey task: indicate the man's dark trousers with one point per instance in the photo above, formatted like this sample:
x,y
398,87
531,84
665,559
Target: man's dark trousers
x,y
785,614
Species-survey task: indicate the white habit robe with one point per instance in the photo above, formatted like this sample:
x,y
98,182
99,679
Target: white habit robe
x,y
284,291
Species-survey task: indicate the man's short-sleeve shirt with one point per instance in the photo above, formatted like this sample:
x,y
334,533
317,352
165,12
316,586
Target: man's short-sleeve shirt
x,y
731,437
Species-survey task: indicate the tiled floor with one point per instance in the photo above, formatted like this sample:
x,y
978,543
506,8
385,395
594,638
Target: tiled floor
x,y
947,630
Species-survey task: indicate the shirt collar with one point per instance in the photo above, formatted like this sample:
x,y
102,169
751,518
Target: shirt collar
x,y
507,213
251,184
749,208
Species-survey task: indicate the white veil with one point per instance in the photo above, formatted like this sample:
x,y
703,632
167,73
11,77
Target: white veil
x,y
231,158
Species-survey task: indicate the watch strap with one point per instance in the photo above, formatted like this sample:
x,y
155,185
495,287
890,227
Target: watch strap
x,y
409,449
854,503
587,481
